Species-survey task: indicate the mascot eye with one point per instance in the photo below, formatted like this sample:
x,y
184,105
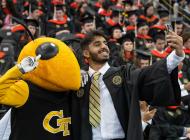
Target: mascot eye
x,y
47,50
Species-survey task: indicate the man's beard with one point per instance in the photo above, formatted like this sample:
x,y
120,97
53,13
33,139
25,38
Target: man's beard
x,y
95,58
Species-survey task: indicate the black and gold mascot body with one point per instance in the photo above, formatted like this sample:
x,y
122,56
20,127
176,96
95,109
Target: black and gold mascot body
x,y
40,89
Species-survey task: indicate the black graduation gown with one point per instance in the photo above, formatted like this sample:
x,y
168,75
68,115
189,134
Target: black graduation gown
x,y
169,123
154,85
186,67
115,49
165,132
165,116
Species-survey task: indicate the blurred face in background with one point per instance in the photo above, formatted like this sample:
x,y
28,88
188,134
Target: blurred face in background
x,y
160,44
149,45
116,19
179,29
128,7
150,11
164,20
132,19
117,34
128,46
87,27
3,3
59,14
83,8
187,44
143,63
143,30
32,29
182,2
35,14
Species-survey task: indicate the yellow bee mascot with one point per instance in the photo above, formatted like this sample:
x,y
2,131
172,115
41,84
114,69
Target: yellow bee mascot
x,y
40,90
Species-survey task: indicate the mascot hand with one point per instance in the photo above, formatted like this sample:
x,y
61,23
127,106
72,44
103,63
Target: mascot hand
x,y
28,64
84,77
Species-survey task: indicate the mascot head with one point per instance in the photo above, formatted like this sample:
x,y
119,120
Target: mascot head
x,y
58,69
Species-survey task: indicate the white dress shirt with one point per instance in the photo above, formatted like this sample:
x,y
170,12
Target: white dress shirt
x,y
5,126
110,127
184,92
144,124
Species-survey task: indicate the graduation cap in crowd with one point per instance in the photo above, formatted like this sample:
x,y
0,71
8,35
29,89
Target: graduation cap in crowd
x,y
24,25
127,2
90,11
54,26
116,8
34,7
147,6
60,7
163,13
132,12
127,37
141,23
112,28
54,32
31,7
116,11
106,4
31,22
87,18
143,55
72,41
57,8
159,35
68,38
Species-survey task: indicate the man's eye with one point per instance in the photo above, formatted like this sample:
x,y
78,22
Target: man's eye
x,y
97,44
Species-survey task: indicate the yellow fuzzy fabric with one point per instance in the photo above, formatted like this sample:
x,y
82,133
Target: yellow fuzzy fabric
x,y
13,90
60,73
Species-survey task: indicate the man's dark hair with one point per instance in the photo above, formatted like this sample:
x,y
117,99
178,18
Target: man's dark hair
x,y
89,37
159,36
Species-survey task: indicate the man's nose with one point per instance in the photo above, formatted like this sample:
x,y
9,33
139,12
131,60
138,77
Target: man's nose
x,y
104,45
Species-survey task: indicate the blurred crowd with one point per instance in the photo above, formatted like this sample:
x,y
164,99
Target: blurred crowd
x,y
136,33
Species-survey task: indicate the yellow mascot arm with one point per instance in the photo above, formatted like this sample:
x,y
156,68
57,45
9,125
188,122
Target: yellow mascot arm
x,y
13,90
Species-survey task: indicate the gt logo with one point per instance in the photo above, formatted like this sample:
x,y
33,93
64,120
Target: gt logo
x,y
62,123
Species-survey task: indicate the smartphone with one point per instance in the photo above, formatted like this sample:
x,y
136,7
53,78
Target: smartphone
x,y
169,28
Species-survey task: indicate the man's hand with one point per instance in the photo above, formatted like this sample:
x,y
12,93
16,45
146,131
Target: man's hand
x,y
188,135
187,86
176,42
187,132
148,115
28,64
84,77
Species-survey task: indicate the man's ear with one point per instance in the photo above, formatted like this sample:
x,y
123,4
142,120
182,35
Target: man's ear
x,y
86,53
